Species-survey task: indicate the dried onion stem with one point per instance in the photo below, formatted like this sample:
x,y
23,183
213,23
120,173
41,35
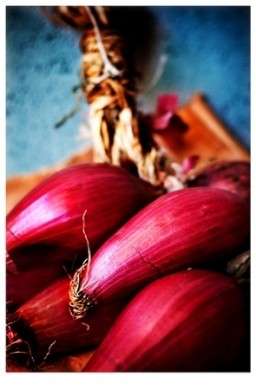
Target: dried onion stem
x,y
110,89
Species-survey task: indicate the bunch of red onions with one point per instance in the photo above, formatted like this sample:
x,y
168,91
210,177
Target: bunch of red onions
x,y
139,282
49,229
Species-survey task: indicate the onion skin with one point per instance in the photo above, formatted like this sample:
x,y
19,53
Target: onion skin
x,y
21,286
232,176
13,367
188,321
46,227
180,229
52,212
45,319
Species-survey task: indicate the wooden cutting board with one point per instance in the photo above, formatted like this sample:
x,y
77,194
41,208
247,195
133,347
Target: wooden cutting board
x,y
207,137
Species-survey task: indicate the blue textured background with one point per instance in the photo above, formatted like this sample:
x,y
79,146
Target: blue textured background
x,y
208,50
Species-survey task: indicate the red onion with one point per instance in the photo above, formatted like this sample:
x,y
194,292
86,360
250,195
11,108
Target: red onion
x,y
188,321
233,176
13,367
180,229
21,286
46,227
43,325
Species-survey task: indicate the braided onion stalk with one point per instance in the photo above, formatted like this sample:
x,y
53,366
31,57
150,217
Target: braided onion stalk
x,y
109,86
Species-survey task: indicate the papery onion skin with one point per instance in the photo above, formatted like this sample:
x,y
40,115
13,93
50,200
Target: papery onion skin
x,y
45,229
232,176
45,322
188,321
180,229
